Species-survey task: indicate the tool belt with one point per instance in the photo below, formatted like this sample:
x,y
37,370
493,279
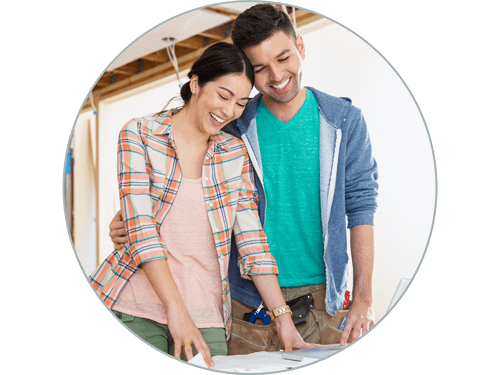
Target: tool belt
x,y
300,308
249,337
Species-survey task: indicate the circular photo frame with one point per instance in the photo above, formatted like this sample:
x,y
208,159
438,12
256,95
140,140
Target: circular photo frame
x,y
150,71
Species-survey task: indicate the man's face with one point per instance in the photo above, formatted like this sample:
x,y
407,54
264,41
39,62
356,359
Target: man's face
x,y
277,64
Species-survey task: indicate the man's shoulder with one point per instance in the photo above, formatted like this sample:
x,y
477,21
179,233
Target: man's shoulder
x,y
336,109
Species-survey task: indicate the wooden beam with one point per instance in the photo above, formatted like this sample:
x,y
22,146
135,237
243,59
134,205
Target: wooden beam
x,y
122,71
227,12
192,43
187,52
218,33
148,76
158,56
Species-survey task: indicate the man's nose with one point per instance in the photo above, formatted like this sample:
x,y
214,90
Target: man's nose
x,y
275,73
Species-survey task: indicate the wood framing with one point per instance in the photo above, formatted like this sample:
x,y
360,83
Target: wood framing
x,y
156,65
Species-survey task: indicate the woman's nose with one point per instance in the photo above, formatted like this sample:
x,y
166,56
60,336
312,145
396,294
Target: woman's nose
x,y
228,110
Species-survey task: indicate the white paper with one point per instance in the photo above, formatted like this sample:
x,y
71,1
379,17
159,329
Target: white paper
x,y
252,363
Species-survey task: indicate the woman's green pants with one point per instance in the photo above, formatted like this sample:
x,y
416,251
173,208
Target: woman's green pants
x,y
159,336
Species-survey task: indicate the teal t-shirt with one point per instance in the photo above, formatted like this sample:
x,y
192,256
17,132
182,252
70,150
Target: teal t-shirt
x,y
290,163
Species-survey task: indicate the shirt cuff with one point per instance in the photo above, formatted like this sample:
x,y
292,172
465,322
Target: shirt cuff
x,y
258,265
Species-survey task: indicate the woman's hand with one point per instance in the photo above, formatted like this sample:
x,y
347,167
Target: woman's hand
x,y
180,324
184,331
269,289
288,334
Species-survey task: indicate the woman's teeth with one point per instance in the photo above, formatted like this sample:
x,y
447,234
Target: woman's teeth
x,y
283,85
218,119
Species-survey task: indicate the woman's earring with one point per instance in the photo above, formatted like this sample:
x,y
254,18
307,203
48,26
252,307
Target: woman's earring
x,y
192,91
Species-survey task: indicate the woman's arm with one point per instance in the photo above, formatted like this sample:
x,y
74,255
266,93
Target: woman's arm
x,y
269,289
180,324
146,246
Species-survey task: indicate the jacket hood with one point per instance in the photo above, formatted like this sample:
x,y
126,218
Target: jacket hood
x,y
334,109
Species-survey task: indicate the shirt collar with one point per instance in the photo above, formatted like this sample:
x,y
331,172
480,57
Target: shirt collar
x,y
164,128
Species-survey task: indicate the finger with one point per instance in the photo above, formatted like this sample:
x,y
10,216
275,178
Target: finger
x,y
119,246
118,216
116,238
177,350
345,333
188,351
202,347
368,325
119,225
355,334
310,345
114,221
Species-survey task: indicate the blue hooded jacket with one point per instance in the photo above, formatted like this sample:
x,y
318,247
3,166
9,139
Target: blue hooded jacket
x,y
348,188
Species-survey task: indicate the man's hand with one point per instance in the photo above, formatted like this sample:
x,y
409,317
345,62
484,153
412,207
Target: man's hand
x,y
117,231
359,320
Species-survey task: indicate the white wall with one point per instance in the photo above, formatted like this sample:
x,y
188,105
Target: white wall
x,y
84,193
341,64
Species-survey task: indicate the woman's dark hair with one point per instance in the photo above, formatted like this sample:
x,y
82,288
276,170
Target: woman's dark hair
x,y
216,61
258,23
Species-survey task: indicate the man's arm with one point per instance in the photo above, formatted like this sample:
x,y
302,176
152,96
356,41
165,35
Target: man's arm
x,y
361,316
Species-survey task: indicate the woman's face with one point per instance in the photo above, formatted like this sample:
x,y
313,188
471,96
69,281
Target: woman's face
x,y
219,102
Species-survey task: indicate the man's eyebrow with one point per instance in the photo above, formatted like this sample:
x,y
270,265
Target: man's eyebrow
x,y
232,93
276,57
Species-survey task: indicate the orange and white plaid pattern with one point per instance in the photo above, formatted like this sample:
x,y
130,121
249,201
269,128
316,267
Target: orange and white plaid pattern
x,y
149,176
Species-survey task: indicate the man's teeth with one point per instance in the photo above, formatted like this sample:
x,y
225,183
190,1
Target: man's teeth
x,y
282,86
218,119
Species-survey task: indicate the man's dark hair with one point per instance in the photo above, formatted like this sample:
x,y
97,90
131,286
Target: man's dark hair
x,y
258,23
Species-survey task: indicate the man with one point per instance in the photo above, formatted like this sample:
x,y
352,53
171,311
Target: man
x,y
314,166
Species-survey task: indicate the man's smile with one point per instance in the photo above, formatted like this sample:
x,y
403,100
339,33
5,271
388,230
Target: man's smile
x,y
282,85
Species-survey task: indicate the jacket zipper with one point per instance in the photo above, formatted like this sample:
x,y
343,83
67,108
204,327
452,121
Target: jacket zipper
x,y
331,193
261,177
257,170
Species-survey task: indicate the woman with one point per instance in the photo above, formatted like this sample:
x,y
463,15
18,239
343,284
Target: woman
x,y
185,186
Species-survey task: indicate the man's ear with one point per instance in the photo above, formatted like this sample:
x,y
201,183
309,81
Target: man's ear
x,y
301,46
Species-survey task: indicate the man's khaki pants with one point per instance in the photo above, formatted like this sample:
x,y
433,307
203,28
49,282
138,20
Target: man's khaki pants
x,y
319,328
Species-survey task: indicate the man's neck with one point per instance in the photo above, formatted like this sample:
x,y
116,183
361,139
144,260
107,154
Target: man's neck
x,y
286,111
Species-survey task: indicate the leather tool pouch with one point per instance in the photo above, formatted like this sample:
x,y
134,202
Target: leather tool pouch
x,y
301,307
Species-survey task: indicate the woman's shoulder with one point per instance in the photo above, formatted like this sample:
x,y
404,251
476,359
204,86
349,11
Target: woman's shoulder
x,y
150,123
234,143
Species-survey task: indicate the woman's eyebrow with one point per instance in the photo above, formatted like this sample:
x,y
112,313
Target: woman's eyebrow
x,y
232,93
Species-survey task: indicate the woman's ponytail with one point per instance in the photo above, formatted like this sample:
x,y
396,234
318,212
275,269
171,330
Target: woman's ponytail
x,y
186,92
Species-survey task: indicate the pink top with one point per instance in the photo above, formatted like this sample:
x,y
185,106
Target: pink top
x,y
193,262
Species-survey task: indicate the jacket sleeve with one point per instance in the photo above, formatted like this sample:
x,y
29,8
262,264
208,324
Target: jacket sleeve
x,y
135,200
254,256
361,186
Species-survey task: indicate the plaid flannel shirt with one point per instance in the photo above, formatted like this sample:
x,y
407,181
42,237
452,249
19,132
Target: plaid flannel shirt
x,y
149,175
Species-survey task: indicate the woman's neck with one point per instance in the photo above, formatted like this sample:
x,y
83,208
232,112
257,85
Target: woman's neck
x,y
190,142
185,128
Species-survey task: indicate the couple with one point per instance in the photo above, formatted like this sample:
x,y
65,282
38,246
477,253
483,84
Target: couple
x,y
191,258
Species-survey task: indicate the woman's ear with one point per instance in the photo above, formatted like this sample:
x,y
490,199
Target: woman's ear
x,y
194,84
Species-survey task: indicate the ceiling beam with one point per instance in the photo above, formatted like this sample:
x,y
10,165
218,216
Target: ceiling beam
x,y
227,12
187,51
